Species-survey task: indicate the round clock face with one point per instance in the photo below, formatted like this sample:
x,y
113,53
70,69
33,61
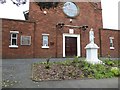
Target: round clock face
x,y
70,9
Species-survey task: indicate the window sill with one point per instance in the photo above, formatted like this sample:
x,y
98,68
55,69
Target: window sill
x,y
112,48
45,46
13,46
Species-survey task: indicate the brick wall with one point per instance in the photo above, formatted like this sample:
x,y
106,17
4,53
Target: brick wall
x,y
39,24
105,43
24,28
47,24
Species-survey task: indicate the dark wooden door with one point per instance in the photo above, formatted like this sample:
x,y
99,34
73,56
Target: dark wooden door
x,y
71,46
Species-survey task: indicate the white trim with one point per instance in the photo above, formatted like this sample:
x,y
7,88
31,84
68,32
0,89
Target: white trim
x,y
13,46
112,48
111,37
45,46
45,34
14,32
78,43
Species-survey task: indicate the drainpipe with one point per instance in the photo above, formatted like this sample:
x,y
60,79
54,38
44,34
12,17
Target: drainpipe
x,y
56,43
80,44
100,42
34,40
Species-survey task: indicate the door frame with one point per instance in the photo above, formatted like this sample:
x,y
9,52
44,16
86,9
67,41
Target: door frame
x,y
78,43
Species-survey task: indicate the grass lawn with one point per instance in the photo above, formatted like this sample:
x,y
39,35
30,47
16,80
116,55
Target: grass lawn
x,y
74,69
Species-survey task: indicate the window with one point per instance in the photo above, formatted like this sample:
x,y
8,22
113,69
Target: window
x,y
111,43
45,40
13,39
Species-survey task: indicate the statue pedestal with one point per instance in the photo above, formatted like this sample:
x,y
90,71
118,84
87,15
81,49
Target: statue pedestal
x,y
92,54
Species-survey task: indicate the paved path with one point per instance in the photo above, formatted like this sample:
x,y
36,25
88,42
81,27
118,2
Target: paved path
x,y
19,70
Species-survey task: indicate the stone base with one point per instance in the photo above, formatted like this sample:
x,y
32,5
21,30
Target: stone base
x,y
92,54
96,61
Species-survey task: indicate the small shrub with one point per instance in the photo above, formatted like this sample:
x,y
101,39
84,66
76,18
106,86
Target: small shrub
x,y
66,62
47,66
115,71
75,60
109,62
48,60
99,75
108,75
116,63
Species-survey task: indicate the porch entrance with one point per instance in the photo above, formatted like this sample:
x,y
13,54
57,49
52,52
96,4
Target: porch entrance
x,y
71,45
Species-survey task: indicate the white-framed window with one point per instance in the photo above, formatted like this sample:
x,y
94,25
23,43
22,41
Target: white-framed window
x,y
45,40
111,42
25,40
13,39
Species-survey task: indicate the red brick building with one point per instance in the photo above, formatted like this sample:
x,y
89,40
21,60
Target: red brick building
x,y
51,33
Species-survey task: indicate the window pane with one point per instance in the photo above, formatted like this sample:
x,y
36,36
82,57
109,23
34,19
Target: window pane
x,y
111,45
111,42
45,40
14,42
14,35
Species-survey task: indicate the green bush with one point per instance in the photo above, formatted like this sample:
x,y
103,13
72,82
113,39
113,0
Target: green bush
x,y
99,75
109,62
108,75
99,71
75,60
114,63
66,62
115,71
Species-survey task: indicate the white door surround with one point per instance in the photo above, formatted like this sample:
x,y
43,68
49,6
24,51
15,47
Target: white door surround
x,y
78,42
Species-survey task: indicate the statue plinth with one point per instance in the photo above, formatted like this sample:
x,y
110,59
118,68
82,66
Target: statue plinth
x,y
92,53
92,50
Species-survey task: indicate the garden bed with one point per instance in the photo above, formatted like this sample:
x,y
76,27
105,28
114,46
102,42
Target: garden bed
x,y
74,69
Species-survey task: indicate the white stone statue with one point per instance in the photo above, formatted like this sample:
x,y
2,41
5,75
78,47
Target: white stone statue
x,y
91,35
92,50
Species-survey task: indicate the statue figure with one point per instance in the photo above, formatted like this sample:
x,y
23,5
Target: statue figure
x,y
91,35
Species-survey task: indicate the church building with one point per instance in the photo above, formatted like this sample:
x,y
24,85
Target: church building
x,y
58,29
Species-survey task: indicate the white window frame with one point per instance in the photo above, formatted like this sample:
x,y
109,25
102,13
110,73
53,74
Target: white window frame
x,y
11,33
111,42
42,41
